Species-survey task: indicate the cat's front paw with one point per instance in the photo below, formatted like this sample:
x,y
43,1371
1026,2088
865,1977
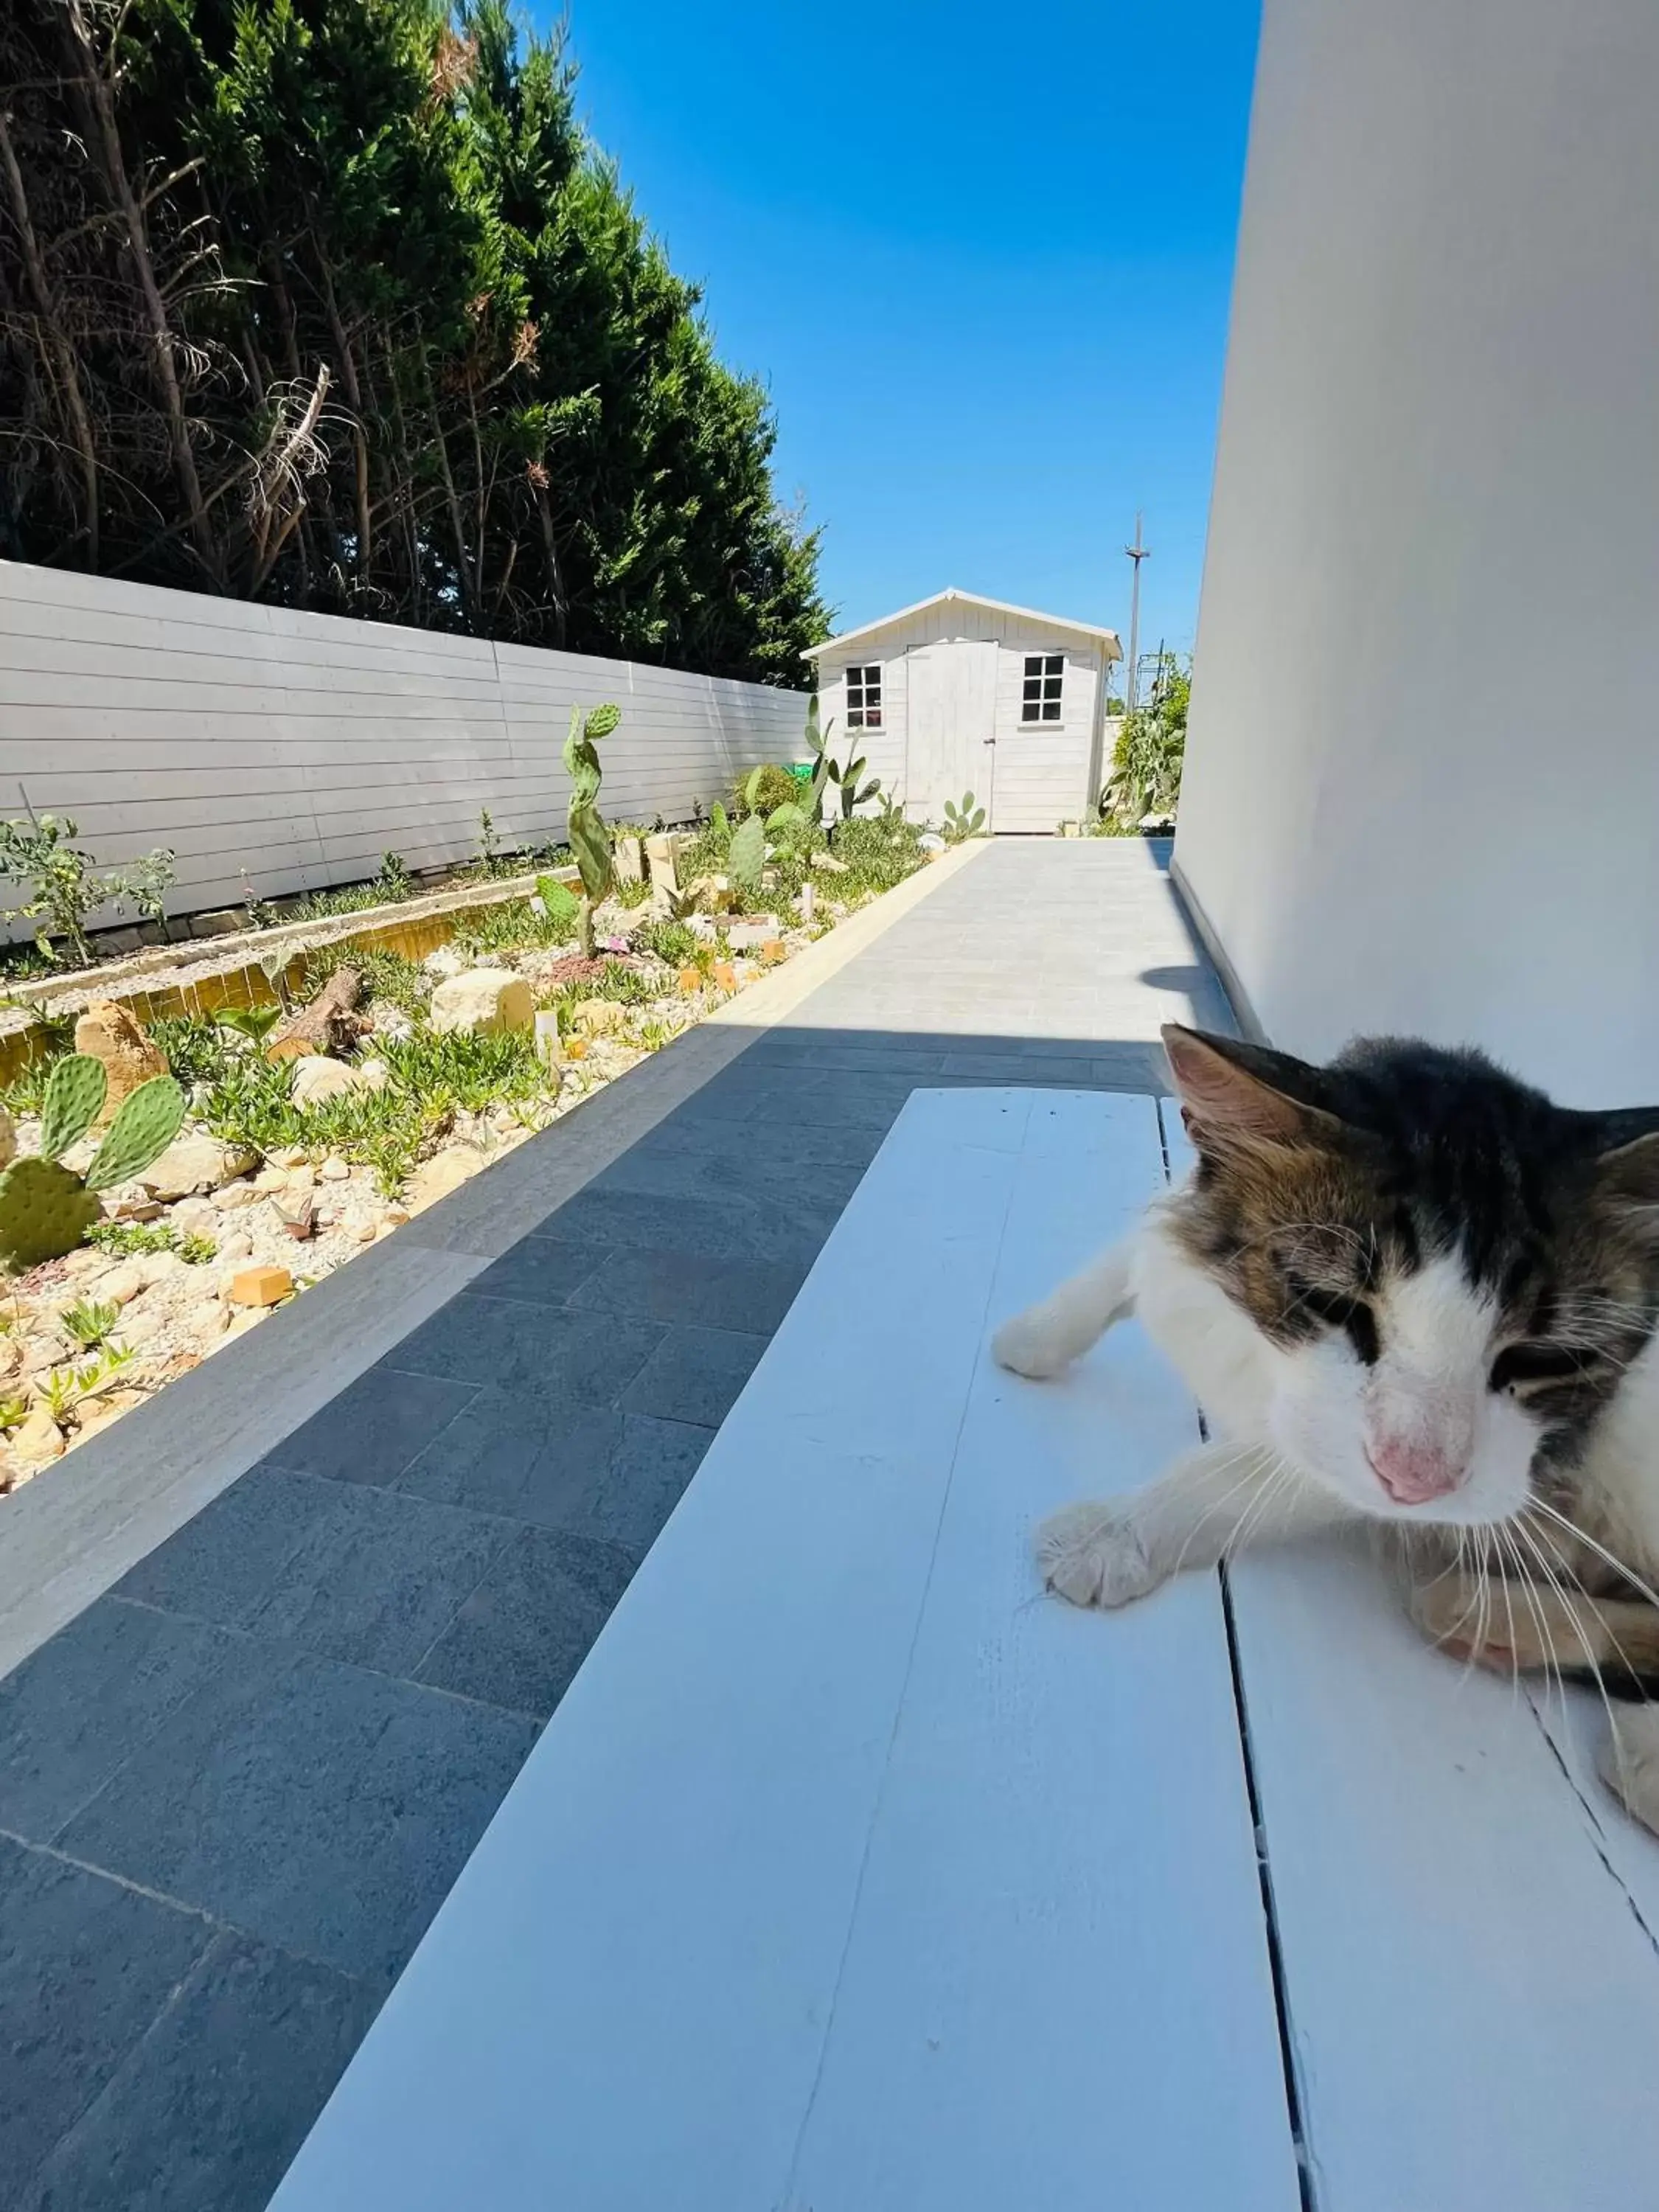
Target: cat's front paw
x,y
1095,1554
1029,1344
1629,1762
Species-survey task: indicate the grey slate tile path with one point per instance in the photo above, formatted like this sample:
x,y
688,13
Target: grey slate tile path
x,y
236,1788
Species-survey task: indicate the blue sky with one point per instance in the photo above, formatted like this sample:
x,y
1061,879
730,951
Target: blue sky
x,y
981,256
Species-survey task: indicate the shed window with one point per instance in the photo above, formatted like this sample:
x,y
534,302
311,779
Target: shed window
x,y
864,696
1045,675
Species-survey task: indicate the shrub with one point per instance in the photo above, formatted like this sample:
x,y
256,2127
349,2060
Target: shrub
x,y
1151,748
63,886
763,789
670,942
196,1049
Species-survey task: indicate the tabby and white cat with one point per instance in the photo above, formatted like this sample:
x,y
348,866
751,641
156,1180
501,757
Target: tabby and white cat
x,y
1406,1288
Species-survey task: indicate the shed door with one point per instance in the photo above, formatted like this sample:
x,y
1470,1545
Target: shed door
x,y
950,717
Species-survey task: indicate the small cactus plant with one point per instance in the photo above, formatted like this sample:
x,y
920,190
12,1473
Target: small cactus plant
x,y
46,1209
746,857
559,902
964,821
590,841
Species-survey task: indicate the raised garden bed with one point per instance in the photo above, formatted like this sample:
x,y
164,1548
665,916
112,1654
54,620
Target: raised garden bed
x,y
285,1170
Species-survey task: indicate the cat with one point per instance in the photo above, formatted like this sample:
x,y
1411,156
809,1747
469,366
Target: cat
x,y
1407,1289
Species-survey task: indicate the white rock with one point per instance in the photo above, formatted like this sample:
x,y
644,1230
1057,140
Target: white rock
x,y
195,1216
929,842
302,1177
237,1247
334,1170
210,1318
39,1440
749,936
596,1017
437,1177
445,962
156,1268
191,1162
483,1002
129,1202
373,1074
270,1179
234,1195
292,1156
122,1284
141,1322
317,1079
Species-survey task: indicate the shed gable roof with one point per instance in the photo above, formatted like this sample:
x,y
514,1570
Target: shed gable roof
x,y
1094,631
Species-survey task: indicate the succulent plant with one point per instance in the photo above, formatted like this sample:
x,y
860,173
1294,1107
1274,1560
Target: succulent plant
x,y
590,841
964,821
46,1209
559,902
843,774
746,857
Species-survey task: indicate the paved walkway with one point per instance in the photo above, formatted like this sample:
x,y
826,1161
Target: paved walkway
x,y
236,1787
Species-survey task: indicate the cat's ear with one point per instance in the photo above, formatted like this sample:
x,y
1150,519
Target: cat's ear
x,y
1234,1094
1627,1156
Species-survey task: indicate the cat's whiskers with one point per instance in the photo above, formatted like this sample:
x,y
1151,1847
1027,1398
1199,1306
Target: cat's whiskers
x,y
1255,1507
1564,1520
1515,1655
1555,1583
1250,1456
1510,1551
1567,1569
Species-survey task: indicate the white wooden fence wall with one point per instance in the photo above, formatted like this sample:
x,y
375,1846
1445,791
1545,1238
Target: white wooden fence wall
x,y
278,751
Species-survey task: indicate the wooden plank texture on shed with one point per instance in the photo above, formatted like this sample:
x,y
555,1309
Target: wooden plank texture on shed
x,y
823,1887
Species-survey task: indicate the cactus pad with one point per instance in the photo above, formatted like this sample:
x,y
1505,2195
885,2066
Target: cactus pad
x,y
601,720
559,902
746,857
74,1098
147,1124
45,1211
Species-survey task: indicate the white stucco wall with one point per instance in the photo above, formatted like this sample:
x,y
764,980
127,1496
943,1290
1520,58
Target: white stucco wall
x,y
1422,780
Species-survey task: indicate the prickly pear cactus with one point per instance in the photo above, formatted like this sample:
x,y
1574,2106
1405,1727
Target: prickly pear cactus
x,y
559,902
45,1211
590,841
146,1125
74,1099
746,857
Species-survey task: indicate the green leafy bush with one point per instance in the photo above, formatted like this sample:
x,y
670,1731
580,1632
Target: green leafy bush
x,y
670,942
1150,749
195,1046
63,885
763,789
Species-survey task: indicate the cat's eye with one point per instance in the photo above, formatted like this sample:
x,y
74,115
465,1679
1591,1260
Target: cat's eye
x,y
1338,1310
1539,1363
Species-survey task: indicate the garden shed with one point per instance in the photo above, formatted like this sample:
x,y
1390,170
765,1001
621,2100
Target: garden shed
x,y
960,693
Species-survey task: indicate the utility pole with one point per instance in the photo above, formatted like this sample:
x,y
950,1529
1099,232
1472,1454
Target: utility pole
x,y
1137,553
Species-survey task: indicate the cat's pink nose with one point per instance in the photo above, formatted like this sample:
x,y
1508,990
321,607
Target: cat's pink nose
x,y
1412,1472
